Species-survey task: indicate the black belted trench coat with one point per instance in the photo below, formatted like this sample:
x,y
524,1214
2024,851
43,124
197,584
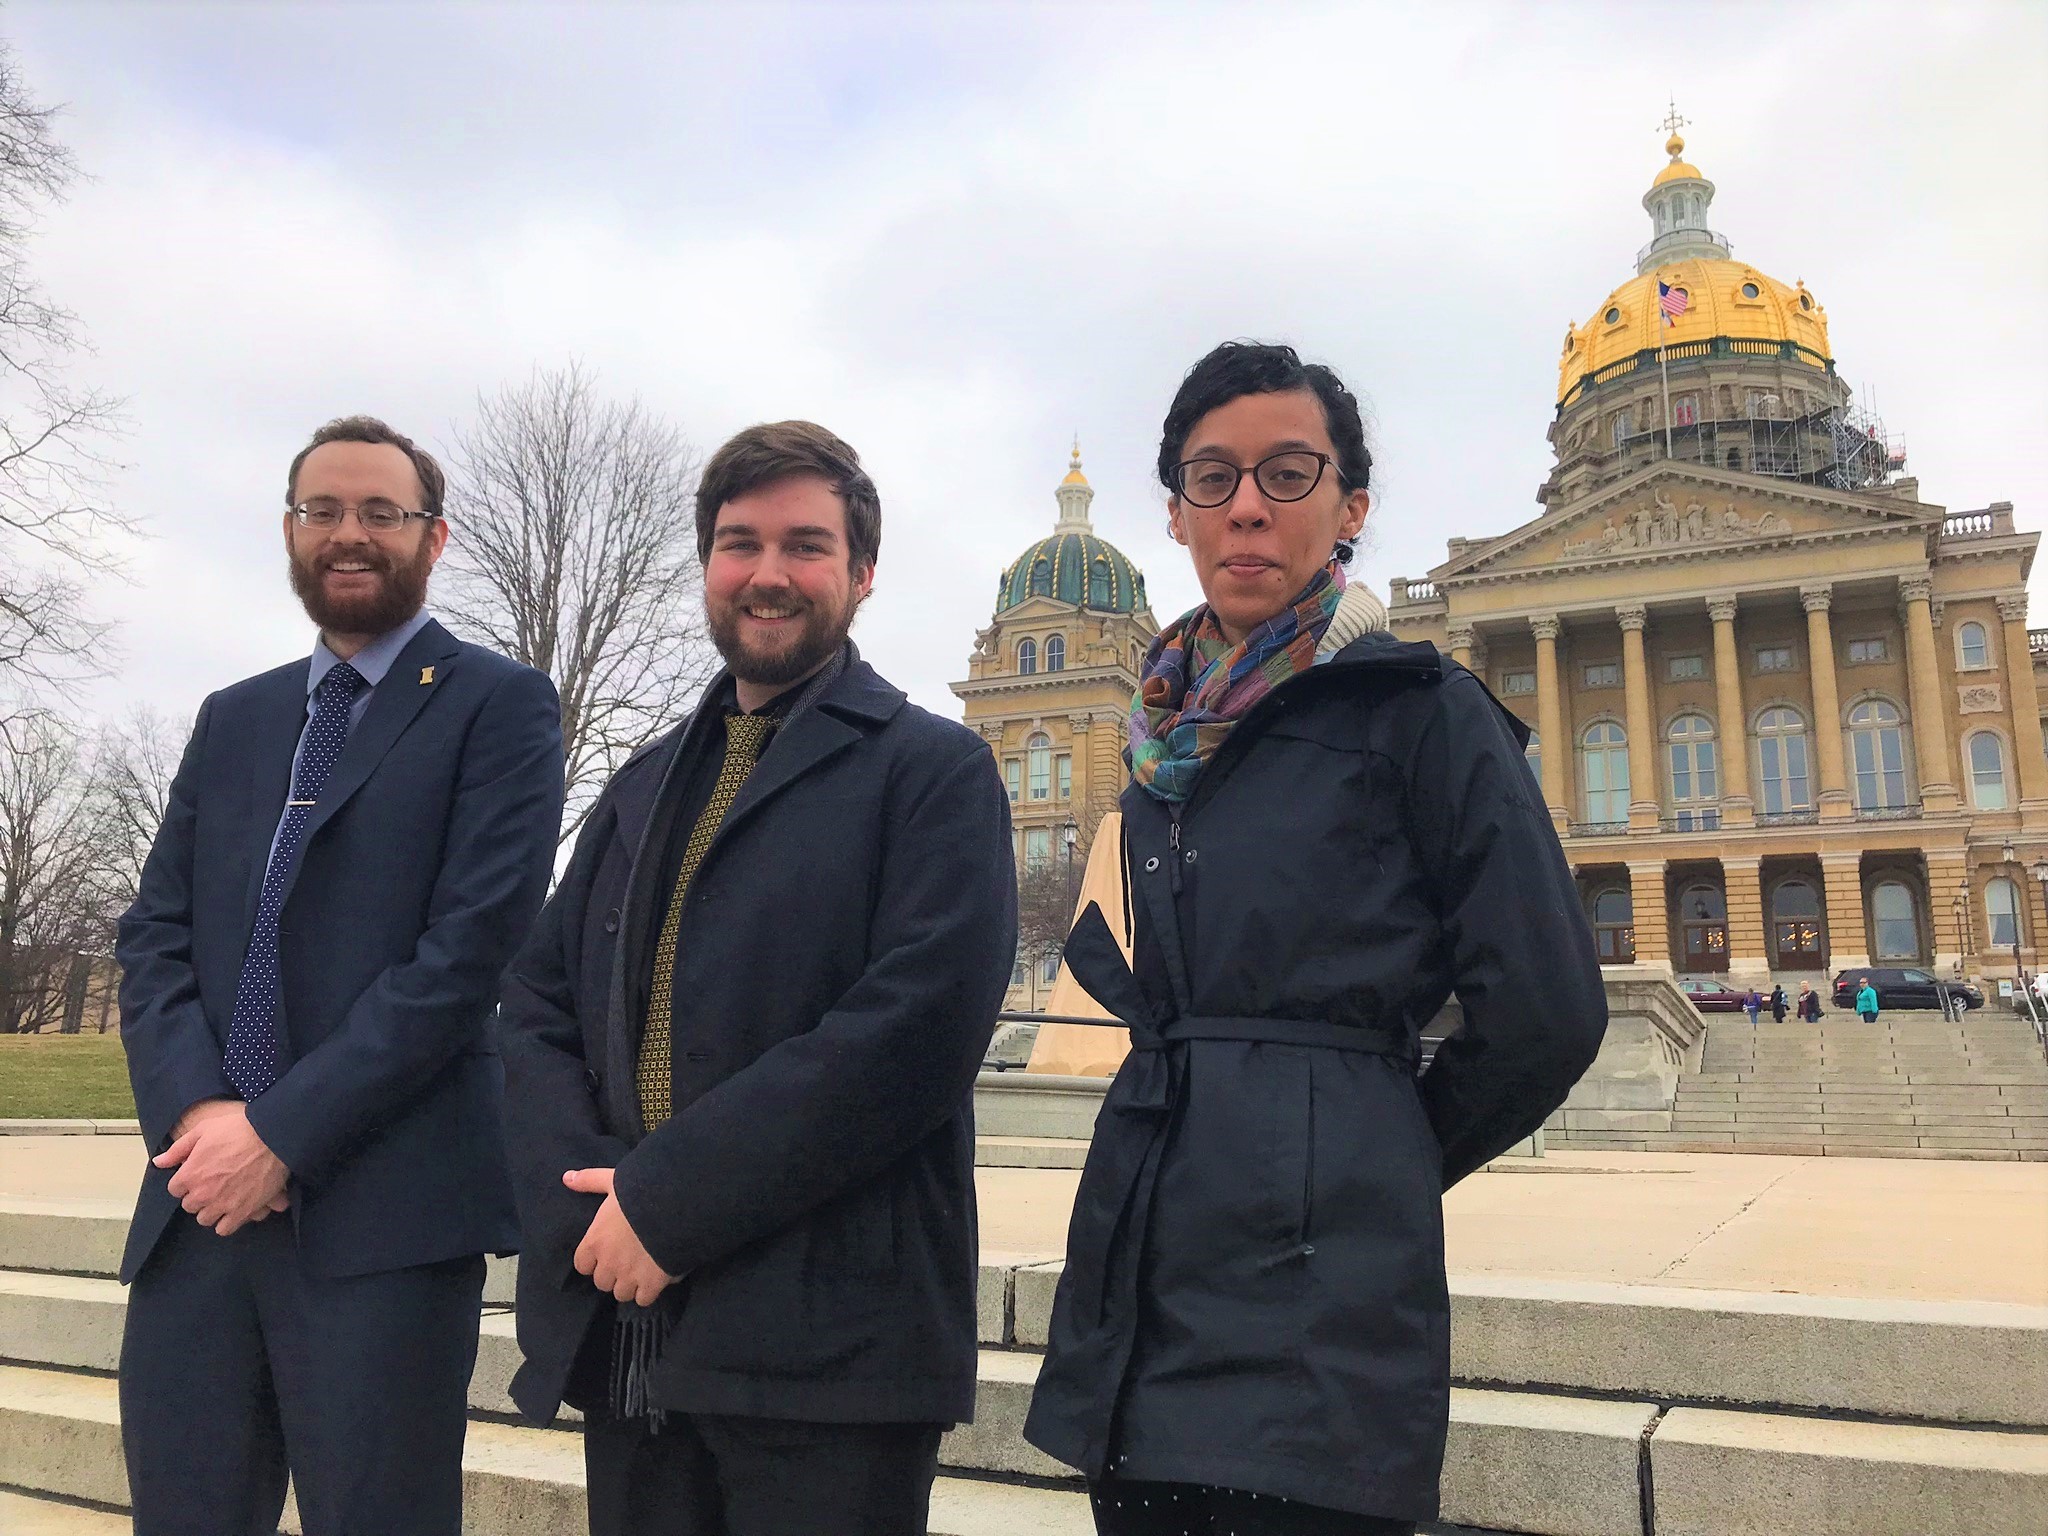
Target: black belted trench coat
x,y
1254,1294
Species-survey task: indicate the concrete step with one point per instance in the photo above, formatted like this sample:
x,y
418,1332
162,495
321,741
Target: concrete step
x,y
24,1514
1716,1472
60,1434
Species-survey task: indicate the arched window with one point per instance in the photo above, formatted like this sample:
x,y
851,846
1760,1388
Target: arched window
x,y
1987,772
1695,781
1895,922
1781,762
1027,657
1055,653
1973,646
1877,751
1099,584
1795,925
1038,765
1703,928
2002,913
1605,775
1041,577
1614,926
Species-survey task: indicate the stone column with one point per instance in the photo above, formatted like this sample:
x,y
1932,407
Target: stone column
x,y
1833,801
1930,717
1737,808
1555,748
1461,644
1644,800
1848,931
1749,963
1652,913
1946,870
2026,704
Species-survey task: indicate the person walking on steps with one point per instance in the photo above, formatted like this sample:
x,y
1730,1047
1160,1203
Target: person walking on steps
x,y
1866,1001
1329,832
1753,1004
1778,1004
1808,1007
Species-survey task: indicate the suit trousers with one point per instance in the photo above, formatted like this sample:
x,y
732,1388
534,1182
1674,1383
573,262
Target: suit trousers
x,y
711,1475
238,1366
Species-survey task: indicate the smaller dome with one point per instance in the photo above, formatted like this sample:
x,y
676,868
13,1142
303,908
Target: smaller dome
x,y
1677,170
1074,475
1075,568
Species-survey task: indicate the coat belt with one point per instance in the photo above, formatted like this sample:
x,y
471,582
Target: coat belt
x,y
1123,1163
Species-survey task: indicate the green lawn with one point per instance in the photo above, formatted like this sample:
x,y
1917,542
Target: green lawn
x,y
64,1077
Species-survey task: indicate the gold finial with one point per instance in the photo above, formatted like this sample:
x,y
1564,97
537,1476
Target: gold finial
x,y
1075,462
1674,146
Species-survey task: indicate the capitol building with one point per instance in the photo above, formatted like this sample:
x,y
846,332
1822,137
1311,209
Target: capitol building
x,y
1784,711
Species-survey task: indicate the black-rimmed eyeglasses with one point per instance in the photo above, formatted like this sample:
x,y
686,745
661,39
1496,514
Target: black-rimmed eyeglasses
x,y
1288,476
376,515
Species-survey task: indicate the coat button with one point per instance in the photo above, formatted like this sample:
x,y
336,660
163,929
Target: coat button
x,y
1150,865
1191,855
611,921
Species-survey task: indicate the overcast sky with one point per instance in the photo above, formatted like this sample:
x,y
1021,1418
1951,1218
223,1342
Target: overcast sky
x,y
959,233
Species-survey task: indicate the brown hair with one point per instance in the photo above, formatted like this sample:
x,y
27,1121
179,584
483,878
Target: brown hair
x,y
368,429
783,450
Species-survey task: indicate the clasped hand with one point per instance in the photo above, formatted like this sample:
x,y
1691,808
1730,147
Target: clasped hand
x,y
611,1252
226,1176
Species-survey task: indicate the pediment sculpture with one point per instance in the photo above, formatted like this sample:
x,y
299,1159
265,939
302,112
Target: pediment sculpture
x,y
1662,525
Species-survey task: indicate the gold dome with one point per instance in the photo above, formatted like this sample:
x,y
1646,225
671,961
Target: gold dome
x,y
1677,170
1074,475
1725,298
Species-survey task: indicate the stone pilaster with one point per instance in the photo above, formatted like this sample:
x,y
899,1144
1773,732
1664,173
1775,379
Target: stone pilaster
x,y
1749,963
1737,808
1930,716
1834,802
1652,913
1645,801
1555,746
1848,931
2026,707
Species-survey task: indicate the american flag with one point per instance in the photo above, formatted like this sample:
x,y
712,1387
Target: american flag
x,y
1671,300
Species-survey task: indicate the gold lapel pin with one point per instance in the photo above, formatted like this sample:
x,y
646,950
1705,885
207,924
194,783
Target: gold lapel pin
x,y
426,676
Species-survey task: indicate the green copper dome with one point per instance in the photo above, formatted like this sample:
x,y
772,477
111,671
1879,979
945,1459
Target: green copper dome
x,y
1075,568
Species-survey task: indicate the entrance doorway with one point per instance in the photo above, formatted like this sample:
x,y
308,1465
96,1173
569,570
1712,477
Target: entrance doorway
x,y
1703,928
1796,927
1614,927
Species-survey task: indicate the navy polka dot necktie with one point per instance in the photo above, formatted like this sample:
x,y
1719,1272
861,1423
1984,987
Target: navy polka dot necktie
x,y
252,1062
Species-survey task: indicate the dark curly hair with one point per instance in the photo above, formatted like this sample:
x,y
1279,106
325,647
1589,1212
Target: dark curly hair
x,y
1239,368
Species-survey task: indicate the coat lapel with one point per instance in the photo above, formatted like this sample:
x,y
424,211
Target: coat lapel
x,y
420,671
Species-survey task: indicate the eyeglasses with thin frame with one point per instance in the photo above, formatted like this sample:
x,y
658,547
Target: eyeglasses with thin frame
x,y
1287,476
376,515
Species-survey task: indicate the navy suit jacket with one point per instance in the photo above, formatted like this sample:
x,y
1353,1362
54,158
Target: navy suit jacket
x,y
423,867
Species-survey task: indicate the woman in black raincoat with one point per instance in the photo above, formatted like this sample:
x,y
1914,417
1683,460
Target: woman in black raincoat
x,y
1328,833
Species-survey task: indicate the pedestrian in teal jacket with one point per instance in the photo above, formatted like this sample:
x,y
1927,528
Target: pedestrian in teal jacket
x,y
1866,1001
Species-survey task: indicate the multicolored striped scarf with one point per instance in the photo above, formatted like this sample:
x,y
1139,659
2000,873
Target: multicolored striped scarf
x,y
1196,685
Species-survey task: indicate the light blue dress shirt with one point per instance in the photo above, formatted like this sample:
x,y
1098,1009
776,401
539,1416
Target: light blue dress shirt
x,y
372,662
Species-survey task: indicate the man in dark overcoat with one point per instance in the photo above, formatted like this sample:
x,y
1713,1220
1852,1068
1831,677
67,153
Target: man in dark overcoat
x,y
740,1052
354,845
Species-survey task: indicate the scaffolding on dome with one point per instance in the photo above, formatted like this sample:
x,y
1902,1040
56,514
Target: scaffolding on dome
x,y
1843,447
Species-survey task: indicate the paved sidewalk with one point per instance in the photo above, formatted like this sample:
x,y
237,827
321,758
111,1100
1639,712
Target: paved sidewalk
x,y
1882,1228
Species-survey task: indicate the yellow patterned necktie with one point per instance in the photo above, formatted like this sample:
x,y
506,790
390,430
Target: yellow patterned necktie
x,y
745,738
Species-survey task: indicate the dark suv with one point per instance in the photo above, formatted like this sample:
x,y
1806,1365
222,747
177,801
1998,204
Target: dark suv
x,y
1903,988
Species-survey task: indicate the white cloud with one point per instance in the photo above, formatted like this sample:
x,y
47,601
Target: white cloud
x,y
959,234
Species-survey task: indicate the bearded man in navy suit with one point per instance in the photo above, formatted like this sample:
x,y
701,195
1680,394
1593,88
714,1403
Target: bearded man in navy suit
x,y
354,846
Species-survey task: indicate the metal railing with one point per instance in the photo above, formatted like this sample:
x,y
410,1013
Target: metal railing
x,y
1887,813
1595,828
1787,818
1715,346
1691,821
1701,234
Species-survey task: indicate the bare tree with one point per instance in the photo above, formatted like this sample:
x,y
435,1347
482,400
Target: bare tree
x,y
128,788
55,517
53,907
574,551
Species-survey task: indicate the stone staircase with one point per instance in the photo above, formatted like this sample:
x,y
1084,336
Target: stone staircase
x,y
1583,1409
1911,1085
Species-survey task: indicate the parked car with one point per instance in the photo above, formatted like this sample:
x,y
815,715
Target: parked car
x,y
1903,988
1711,996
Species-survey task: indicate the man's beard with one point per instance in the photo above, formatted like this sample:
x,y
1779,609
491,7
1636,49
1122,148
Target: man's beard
x,y
821,636
401,590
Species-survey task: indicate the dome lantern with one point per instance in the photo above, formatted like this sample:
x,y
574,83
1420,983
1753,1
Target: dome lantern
x,y
1677,203
1075,494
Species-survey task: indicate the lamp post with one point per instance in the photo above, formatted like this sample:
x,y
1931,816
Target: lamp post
x,y
1069,836
2008,855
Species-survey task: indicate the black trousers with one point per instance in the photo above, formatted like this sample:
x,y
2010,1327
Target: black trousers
x,y
706,1475
1123,1507
238,1366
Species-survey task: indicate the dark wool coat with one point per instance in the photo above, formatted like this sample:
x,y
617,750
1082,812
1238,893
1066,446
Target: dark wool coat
x,y
1254,1293
849,940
